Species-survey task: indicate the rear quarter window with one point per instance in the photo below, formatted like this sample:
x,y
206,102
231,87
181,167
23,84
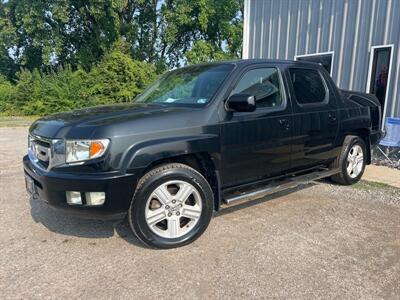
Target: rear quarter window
x,y
308,86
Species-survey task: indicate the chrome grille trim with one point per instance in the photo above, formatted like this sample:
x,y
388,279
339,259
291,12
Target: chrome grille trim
x,y
42,153
46,157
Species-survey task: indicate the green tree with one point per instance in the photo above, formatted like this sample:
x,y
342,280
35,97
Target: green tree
x,y
8,39
64,54
45,34
118,78
89,31
203,25
49,34
6,94
204,52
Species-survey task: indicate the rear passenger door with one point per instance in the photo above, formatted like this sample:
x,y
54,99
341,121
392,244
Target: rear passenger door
x,y
257,144
315,117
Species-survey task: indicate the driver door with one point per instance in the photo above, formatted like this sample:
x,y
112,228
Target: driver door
x,y
256,145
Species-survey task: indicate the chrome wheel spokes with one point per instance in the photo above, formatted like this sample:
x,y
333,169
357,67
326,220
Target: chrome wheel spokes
x,y
173,209
355,161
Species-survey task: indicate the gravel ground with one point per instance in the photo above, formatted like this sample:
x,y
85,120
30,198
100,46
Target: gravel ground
x,y
320,241
391,159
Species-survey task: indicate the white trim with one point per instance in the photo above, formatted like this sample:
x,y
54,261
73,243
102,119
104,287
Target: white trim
x,y
342,40
371,61
319,54
356,43
245,47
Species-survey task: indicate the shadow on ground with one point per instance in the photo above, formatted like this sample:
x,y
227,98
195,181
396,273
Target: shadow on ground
x,y
62,223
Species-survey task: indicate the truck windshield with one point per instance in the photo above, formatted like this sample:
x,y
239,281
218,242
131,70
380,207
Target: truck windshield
x,y
193,86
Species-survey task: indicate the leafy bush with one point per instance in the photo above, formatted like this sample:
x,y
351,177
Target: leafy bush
x,y
6,91
38,93
116,79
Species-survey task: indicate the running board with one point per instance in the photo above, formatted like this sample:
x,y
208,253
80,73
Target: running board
x,y
281,186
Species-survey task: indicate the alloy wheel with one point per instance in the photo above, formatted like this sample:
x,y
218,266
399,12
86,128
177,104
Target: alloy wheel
x,y
355,161
173,209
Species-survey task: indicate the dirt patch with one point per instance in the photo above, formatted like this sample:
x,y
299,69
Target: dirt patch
x,y
320,241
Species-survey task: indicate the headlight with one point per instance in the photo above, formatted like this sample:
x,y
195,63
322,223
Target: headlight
x,y
82,150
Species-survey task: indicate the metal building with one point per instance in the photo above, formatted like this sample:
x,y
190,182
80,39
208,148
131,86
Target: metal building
x,y
356,40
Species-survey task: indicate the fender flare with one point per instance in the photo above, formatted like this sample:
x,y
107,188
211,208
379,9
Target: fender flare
x,y
143,154
140,156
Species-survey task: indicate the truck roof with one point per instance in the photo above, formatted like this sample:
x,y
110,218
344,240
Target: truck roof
x,y
244,62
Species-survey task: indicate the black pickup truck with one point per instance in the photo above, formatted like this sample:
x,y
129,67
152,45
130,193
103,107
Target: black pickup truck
x,y
200,137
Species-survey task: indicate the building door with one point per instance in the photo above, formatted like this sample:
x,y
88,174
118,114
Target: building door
x,y
379,73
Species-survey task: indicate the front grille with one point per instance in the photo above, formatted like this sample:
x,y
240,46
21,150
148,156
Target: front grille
x,y
40,149
44,164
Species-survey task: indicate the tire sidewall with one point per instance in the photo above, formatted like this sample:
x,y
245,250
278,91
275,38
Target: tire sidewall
x,y
356,141
137,211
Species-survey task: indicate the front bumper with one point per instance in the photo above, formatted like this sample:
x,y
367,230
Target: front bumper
x,y
50,187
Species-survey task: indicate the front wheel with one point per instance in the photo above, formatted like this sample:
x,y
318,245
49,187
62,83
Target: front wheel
x,y
351,161
172,206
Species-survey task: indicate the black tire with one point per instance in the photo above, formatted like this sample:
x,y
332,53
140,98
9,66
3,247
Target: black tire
x,y
343,176
147,185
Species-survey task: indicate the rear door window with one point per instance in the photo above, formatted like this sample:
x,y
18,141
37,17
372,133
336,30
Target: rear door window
x,y
308,86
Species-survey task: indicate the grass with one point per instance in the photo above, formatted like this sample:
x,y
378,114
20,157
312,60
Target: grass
x,y
371,185
14,121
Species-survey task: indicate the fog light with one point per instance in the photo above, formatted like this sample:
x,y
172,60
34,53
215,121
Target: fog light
x,y
74,198
95,198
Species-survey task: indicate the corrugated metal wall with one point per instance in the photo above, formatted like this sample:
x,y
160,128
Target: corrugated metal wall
x,y
282,29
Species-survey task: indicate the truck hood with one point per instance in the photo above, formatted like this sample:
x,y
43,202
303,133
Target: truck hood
x,y
84,122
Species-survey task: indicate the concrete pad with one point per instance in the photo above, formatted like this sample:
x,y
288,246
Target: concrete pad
x,y
382,174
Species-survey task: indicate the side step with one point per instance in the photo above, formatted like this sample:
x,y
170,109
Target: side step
x,y
281,185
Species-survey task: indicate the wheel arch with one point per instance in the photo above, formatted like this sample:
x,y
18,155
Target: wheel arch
x,y
201,162
200,153
364,134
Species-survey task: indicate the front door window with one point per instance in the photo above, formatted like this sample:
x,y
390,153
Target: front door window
x,y
263,84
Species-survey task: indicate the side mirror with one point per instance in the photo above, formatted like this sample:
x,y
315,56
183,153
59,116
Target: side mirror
x,y
241,102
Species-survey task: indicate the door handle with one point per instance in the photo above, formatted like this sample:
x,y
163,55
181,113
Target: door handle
x,y
284,123
332,116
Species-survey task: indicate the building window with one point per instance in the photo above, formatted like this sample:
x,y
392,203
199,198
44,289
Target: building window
x,y
325,59
379,71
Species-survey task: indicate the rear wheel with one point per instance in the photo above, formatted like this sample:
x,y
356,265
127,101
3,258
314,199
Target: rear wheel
x,y
351,161
172,206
